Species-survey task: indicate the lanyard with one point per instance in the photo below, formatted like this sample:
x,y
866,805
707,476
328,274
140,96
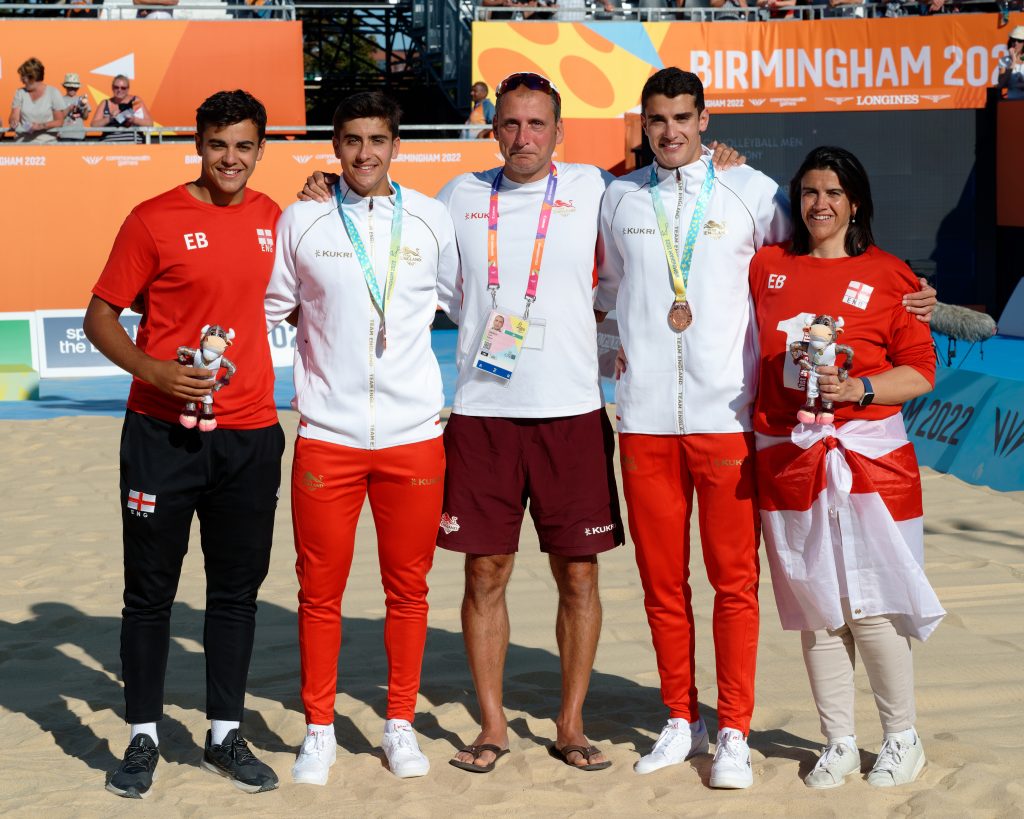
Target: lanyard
x,y
381,303
679,266
538,244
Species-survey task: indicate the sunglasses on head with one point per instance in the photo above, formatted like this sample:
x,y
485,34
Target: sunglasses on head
x,y
527,79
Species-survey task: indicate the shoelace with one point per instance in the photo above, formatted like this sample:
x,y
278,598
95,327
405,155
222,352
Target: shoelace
x,y
731,747
669,736
138,758
830,753
240,751
314,742
891,755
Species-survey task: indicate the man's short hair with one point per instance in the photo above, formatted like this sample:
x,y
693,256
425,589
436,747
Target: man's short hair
x,y
482,85
32,69
368,105
230,107
672,82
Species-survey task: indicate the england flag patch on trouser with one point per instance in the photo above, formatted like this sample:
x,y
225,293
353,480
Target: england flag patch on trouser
x,y
141,503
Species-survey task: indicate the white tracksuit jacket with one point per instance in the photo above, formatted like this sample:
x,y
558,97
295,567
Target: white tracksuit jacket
x,y
703,379
349,389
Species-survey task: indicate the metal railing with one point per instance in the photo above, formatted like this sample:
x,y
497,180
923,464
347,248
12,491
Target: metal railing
x,y
156,134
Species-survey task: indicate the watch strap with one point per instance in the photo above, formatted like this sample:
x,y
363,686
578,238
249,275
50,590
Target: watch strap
x,y
869,393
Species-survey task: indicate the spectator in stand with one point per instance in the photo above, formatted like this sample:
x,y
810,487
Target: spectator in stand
x,y
1011,66
37,107
518,9
164,13
849,8
730,4
780,9
123,112
76,109
482,113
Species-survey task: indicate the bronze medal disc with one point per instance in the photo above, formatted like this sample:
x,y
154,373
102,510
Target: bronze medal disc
x,y
680,316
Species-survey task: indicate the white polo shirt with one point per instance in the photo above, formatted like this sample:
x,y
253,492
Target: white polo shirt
x,y
349,388
703,379
557,377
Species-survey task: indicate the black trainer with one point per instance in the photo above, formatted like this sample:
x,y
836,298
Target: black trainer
x,y
133,778
234,760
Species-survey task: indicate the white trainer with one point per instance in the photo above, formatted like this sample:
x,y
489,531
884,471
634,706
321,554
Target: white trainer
x,y
838,759
402,750
677,743
899,761
731,766
318,753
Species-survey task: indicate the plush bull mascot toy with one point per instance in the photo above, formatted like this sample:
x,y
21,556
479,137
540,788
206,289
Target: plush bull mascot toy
x,y
819,348
209,356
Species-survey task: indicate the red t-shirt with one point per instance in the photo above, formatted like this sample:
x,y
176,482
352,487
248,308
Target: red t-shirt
x,y
867,291
195,264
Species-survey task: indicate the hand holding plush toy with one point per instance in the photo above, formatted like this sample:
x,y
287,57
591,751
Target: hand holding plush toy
x,y
209,356
819,348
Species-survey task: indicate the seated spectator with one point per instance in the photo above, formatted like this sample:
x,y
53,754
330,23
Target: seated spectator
x,y
726,6
81,9
123,112
779,9
518,9
76,109
848,8
164,13
482,112
1011,65
37,107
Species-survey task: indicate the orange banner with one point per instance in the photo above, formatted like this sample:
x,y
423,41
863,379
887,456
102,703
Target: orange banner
x,y
62,205
173,64
944,61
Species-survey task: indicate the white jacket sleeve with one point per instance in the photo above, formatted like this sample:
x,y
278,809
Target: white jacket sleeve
x,y
773,224
610,264
283,291
449,268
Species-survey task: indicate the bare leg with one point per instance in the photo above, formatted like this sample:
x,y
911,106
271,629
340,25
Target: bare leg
x,y
485,629
577,629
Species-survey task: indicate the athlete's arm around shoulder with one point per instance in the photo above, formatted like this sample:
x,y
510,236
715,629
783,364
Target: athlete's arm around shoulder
x,y
448,282
293,225
611,265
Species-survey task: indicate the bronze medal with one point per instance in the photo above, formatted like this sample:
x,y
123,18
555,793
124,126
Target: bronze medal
x,y
680,316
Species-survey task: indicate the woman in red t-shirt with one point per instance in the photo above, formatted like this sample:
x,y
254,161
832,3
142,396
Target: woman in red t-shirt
x,y
841,501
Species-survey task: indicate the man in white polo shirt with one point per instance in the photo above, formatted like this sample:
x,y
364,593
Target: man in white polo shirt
x,y
363,271
527,236
678,239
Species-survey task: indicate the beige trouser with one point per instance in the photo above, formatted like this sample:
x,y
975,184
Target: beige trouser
x,y
830,660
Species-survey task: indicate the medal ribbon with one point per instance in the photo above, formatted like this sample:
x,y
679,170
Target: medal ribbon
x,y
369,274
493,283
679,265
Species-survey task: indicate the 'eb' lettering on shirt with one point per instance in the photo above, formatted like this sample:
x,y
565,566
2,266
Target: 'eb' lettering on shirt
x,y
196,241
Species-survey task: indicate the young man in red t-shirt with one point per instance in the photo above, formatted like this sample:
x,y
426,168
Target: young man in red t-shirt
x,y
199,254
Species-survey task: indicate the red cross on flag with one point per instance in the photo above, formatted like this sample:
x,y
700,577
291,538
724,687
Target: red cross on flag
x,y
141,501
858,295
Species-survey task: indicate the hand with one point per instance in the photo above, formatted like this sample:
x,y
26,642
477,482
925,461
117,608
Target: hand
x,y
834,388
318,187
178,381
724,157
922,302
620,363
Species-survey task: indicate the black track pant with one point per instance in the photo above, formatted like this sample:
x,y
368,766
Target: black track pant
x,y
230,478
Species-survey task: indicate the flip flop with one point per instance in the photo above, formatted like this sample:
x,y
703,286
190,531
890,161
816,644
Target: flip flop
x,y
586,752
475,750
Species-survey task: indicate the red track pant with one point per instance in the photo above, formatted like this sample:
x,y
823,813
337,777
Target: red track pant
x,y
660,474
329,484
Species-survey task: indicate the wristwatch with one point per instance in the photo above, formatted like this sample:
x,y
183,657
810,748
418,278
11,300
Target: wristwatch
x,y
869,393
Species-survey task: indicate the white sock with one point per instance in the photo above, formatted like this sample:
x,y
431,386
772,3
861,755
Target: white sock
x,y
392,725
850,741
145,728
313,728
908,737
219,729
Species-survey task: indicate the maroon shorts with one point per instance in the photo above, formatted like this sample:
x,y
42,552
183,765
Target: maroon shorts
x,y
562,466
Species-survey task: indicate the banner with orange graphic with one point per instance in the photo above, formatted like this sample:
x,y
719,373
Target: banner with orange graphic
x,y
945,61
62,205
173,65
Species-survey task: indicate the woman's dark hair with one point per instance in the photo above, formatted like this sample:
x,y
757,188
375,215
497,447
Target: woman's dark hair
x,y
230,107
368,105
854,181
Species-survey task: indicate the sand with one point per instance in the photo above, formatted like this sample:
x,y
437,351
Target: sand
x,y
61,707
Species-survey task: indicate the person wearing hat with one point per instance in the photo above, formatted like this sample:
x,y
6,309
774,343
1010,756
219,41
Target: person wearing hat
x,y
76,109
1011,66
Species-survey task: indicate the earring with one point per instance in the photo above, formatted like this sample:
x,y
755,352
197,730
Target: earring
x,y
853,219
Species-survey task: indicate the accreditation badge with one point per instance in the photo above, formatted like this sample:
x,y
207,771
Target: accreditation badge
x,y
501,343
